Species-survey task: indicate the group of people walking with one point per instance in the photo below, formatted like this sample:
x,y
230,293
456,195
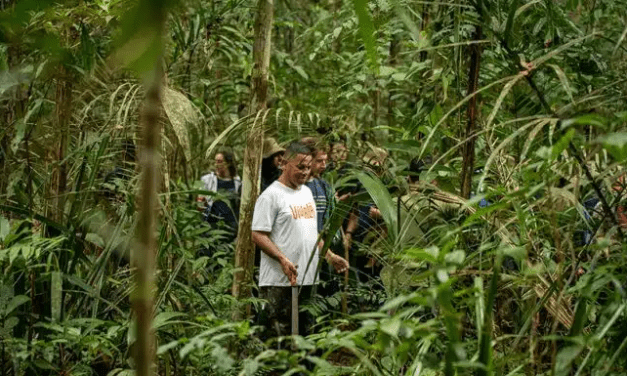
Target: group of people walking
x,y
290,214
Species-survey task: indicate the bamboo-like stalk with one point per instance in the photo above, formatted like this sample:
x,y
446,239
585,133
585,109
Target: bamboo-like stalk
x,y
144,257
63,107
245,249
468,150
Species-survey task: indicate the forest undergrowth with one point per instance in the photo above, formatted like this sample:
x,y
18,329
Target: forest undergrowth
x,y
508,258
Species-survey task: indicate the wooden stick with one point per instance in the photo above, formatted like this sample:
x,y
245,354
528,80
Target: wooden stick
x,y
294,310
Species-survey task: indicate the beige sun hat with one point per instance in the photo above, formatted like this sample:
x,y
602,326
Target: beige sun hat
x,y
271,147
376,156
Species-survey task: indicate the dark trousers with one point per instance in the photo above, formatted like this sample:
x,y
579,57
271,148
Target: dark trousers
x,y
277,312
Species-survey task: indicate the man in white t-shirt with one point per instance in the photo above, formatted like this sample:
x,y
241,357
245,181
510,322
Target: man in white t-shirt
x,y
285,229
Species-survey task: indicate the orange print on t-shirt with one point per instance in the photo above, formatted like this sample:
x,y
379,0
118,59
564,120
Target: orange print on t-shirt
x,y
303,211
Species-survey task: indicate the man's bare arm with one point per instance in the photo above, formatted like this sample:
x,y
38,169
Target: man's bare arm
x,y
263,241
353,219
339,263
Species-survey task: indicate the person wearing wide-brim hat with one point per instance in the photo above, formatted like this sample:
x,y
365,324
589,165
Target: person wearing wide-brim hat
x,y
375,157
271,148
271,164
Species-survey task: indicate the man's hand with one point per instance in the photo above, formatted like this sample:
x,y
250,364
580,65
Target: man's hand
x,y
339,263
263,241
289,270
374,213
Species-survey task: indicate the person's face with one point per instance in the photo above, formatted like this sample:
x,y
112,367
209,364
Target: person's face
x,y
297,169
278,160
339,153
319,164
619,184
221,167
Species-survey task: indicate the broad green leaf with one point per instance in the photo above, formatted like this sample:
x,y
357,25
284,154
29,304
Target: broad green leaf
x,y
367,31
385,71
17,301
391,326
615,144
44,364
383,200
436,115
182,114
297,68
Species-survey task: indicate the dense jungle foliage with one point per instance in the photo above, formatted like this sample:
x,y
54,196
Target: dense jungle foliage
x,y
513,262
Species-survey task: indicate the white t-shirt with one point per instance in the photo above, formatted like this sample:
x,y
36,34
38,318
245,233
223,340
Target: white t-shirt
x,y
289,215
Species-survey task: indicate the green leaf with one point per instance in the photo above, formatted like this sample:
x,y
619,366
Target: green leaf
x,y
383,200
11,323
140,44
167,347
5,228
163,318
385,71
251,366
517,253
563,80
44,364
615,144
17,301
56,292
399,76
20,129
366,29
224,361
182,114
436,114
405,146
456,257
96,239
391,326
485,211
565,358
297,68
562,144
430,254
589,119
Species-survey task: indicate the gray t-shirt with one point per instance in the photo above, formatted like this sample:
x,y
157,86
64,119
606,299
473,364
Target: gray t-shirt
x,y
289,215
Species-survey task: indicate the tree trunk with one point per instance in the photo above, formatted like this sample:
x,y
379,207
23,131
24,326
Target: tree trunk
x,y
63,113
245,249
144,255
468,150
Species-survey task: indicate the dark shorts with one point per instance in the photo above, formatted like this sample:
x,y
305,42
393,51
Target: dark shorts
x,y
277,312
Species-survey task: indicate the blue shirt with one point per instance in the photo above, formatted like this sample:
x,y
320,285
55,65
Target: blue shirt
x,y
321,191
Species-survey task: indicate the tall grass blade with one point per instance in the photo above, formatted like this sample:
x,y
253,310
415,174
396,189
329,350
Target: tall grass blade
x,y
485,339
